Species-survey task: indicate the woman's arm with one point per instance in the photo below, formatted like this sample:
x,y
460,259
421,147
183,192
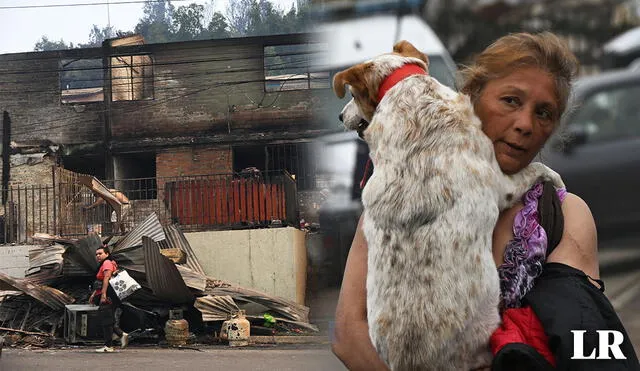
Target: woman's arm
x,y
579,244
105,286
351,343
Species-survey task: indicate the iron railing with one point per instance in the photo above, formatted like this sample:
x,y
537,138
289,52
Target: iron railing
x,y
196,203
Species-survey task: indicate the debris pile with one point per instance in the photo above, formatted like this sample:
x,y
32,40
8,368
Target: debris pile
x,y
161,261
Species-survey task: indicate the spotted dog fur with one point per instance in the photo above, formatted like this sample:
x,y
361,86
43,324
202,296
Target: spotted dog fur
x,y
430,208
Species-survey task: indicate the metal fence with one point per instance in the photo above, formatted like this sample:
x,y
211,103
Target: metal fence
x,y
196,203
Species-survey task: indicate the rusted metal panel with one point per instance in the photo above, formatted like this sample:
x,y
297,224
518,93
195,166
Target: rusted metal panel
x,y
163,275
45,264
193,279
176,239
54,299
150,227
80,258
216,201
215,308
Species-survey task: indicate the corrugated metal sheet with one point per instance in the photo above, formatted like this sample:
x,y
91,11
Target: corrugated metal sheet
x,y
45,255
80,258
150,227
281,307
192,279
163,275
45,264
176,239
54,299
130,257
215,308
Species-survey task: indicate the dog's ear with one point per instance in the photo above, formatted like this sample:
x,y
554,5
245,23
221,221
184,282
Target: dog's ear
x,y
354,77
407,49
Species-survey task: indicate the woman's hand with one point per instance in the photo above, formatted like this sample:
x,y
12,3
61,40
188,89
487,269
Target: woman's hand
x,y
105,286
351,343
93,294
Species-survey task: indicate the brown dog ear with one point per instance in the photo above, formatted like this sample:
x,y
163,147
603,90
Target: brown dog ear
x,y
339,82
354,77
407,49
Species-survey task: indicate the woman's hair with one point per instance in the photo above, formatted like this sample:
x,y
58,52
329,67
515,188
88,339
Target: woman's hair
x,y
544,50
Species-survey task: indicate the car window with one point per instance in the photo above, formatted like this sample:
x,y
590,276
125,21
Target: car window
x,y
441,72
610,114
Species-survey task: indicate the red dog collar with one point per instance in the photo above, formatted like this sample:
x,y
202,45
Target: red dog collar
x,y
397,76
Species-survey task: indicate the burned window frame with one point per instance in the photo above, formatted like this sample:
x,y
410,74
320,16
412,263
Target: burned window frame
x,y
298,158
147,80
95,76
286,60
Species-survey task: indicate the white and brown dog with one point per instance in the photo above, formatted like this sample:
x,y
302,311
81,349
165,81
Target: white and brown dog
x,y
430,208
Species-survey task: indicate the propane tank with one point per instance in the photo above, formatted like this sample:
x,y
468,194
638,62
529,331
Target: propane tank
x,y
224,330
238,330
176,332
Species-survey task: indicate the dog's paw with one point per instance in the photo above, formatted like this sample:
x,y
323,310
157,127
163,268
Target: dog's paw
x,y
546,173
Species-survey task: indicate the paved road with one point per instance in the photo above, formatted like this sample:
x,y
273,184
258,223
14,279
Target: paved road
x,y
307,357
621,275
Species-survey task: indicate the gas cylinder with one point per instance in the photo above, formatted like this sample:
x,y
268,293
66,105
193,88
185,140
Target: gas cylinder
x,y
238,330
176,331
224,330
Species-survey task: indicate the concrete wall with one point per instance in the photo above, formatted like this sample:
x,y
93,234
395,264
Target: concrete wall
x,y
14,260
272,260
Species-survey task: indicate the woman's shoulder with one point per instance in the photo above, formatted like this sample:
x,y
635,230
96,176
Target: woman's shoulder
x,y
108,264
579,244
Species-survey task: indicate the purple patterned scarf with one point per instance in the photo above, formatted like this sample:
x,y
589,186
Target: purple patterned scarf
x,y
526,252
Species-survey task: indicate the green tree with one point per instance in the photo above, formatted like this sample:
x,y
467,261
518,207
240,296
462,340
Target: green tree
x,y
97,35
188,22
238,16
45,44
218,27
156,23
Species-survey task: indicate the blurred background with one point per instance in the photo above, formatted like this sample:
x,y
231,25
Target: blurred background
x,y
598,157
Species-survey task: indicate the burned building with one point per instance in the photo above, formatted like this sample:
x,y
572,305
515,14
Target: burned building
x,y
173,126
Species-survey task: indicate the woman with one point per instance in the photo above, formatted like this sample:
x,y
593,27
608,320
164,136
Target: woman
x,y
107,300
519,86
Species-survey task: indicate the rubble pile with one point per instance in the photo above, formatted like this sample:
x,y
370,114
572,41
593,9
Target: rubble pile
x,y
160,259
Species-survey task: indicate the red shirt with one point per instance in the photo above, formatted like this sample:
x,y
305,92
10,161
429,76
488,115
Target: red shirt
x,y
106,265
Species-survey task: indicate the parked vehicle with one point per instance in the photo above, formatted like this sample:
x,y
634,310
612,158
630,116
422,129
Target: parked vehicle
x,y
601,160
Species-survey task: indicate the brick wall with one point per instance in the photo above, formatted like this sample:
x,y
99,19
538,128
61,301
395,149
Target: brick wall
x,y
194,161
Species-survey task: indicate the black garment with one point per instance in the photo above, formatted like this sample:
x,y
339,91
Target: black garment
x,y
564,299
106,313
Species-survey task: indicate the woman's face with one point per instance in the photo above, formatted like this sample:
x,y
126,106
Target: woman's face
x,y
101,255
518,112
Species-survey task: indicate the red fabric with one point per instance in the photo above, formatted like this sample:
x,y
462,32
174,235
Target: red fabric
x,y
397,76
521,325
106,265
367,172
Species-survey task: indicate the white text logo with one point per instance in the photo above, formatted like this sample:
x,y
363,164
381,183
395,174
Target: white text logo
x,y
605,347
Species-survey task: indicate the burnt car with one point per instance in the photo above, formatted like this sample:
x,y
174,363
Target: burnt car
x,y
599,158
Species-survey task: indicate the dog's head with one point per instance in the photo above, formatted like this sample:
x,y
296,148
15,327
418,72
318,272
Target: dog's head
x,y
364,82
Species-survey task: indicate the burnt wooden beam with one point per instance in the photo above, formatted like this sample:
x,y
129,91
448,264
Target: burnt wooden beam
x,y
237,139
6,155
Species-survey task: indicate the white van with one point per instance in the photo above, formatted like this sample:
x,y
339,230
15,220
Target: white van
x,y
354,40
